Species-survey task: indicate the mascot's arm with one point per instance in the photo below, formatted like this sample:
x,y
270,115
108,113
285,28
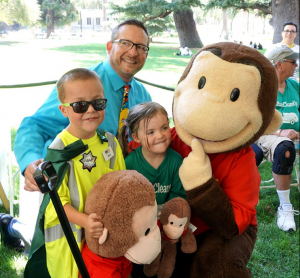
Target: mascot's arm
x,y
211,204
228,205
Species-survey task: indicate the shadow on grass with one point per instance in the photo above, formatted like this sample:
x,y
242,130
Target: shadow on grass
x,y
159,60
276,253
12,263
10,43
89,48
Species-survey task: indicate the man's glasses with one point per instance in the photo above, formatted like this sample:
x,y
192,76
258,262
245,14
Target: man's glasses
x,y
83,106
288,31
128,45
292,62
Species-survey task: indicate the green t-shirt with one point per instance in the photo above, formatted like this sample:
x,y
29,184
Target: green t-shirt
x,y
165,178
288,105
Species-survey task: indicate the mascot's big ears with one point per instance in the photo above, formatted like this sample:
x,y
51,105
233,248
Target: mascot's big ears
x,y
226,98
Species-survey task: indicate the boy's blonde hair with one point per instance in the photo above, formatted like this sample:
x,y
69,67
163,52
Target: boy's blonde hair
x,y
74,75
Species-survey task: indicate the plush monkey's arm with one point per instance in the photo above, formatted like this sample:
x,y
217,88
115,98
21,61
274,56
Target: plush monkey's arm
x,y
188,242
212,205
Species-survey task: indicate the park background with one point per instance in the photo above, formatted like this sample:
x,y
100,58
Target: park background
x,y
28,57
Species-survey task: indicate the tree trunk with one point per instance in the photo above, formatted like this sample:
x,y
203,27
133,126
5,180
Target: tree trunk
x,y
283,11
224,32
186,29
50,26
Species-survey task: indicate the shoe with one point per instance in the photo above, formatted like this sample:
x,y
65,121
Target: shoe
x,y
6,238
285,217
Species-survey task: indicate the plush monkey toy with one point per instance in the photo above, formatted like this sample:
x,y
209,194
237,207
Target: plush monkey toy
x,y
125,202
174,220
224,101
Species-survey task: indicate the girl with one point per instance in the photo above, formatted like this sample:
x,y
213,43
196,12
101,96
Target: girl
x,y
149,126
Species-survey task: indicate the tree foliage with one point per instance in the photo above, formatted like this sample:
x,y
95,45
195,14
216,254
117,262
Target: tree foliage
x,y
264,7
155,14
64,12
25,12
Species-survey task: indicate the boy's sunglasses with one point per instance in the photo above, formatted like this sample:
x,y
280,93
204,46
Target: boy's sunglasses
x,y
83,106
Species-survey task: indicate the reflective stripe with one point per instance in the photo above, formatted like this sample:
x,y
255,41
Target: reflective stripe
x,y
56,232
73,187
113,144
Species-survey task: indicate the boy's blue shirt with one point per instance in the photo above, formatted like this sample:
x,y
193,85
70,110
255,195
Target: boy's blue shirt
x,y
38,131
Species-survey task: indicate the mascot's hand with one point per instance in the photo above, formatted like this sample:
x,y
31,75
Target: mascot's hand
x,y
196,168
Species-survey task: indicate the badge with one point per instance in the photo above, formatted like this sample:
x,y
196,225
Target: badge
x,y
108,153
88,161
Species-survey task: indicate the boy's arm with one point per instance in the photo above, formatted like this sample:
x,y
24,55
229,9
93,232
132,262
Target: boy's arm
x,y
37,130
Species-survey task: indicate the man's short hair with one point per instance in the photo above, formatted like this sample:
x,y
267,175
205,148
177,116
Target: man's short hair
x,y
281,52
134,22
74,75
289,23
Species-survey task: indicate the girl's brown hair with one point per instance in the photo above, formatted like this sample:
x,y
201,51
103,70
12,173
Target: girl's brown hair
x,y
138,113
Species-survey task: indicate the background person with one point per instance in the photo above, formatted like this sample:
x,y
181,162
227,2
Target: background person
x,y
278,146
127,52
289,33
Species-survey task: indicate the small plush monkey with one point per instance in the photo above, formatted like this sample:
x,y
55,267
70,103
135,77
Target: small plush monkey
x,y
173,222
125,202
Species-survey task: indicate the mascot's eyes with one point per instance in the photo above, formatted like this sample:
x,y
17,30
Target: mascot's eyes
x,y
147,232
202,82
234,94
171,223
180,225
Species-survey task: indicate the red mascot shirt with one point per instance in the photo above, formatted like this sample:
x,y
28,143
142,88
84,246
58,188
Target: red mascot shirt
x,y
239,178
99,267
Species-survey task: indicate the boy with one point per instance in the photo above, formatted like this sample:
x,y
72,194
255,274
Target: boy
x,y
81,94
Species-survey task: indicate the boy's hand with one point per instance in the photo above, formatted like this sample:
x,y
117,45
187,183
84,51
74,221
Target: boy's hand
x,y
196,168
93,226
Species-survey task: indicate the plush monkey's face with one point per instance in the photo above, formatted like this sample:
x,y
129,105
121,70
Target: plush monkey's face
x,y
217,103
144,226
175,227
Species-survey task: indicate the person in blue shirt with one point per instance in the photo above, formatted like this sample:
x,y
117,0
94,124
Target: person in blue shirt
x,y
127,52
126,56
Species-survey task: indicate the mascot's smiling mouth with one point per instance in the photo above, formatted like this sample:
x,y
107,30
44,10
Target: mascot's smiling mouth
x,y
209,141
133,259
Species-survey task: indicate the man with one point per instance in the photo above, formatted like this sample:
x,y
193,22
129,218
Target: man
x,y
289,33
127,52
278,147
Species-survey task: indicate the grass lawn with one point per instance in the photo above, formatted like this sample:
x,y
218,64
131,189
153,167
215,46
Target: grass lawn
x,y
276,253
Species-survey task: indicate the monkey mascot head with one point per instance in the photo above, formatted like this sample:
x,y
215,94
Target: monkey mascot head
x,y
125,202
226,98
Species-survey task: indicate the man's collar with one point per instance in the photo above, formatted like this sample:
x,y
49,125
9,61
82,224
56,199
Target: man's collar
x,y
116,81
290,46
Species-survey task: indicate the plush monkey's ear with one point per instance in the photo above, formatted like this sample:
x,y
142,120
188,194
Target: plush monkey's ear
x,y
103,237
274,124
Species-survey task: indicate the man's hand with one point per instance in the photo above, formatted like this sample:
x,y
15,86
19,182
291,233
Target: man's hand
x,y
196,168
289,133
30,184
